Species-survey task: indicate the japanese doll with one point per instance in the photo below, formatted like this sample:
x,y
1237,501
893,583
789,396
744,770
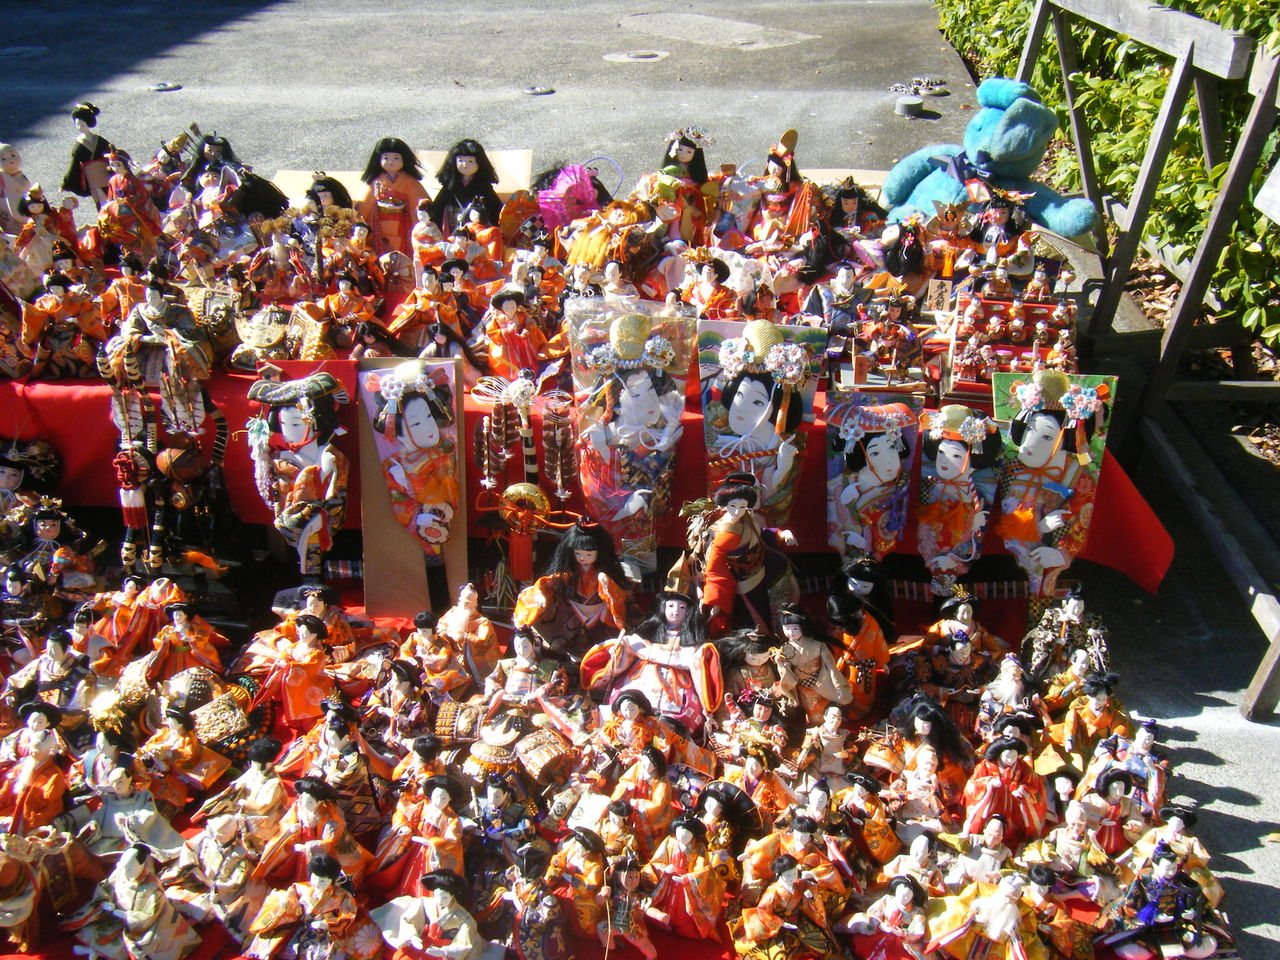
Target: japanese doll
x,y
630,399
871,441
1047,486
395,190
754,407
298,469
959,448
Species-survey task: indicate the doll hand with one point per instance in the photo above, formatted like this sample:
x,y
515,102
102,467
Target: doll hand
x,y
787,538
1049,558
1053,521
69,203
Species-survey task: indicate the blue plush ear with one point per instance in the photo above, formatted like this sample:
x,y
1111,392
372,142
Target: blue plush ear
x,y
1022,133
1001,93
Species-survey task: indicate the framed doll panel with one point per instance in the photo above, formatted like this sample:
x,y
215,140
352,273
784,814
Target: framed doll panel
x,y
757,381
630,364
413,472
1055,427
871,443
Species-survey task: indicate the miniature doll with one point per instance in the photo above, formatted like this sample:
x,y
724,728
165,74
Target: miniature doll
x,y
688,895
806,667
632,727
581,597
1072,851
800,841
644,787
826,753
625,916
186,641
789,920
958,613
256,798
210,879
466,177
32,787
867,495
332,320
298,470
895,927
835,301
313,824
523,680
317,916
424,834
515,343
426,307
919,800
1043,526
536,929
741,559
128,216
14,185
748,666
874,835
42,227
1092,716
122,294
1139,758
172,755
61,331
470,634
919,863
1004,783
1009,693
708,293
759,728
957,677
1163,911
996,924
758,781
682,185
130,918
982,856
666,660
1193,857
59,676
576,875
395,190
88,174
434,926
343,760
617,833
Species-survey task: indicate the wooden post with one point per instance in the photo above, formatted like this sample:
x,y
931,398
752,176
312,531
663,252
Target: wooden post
x,y
1034,41
1210,107
1221,219
1175,98
1080,132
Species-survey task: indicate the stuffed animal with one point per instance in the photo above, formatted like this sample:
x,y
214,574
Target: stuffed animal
x,y
1003,144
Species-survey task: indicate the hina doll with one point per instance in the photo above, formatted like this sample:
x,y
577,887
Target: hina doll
x,y
88,174
789,920
1004,783
42,227
523,680
826,752
130,918
1092,717
317,916
504,827
313,824
256,798
753,426
957,677
122,294
414,415
958,613
806,667
466,178
536,931
424,835
1162,912
895,927
801,841
61,331
581,597
1046,491
394,192
870,817
128,217
743,571
629,427
758,781
14,185
396,713
173,754
1072,852
625,917
982,856
1138,757
632,727
871,447
683,186
959,446
1063,627
58,676
434,925
425,308
919,800
919,863
576,875
1009,693
667,660
470,634
299,676
617,833
1193,857
708,293
299,471
645,789
186,641
126,812
515,342
985,922
109,750
333,320
210,880
748,666
687,893
33,785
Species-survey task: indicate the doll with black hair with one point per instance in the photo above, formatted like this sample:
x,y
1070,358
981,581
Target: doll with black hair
x,y
61,331
41,227
333,318
88,174
466,177
789,920
425,308
317,916
894,927
645,789
688,893
246,192
257,797
394,192
1046,490
14,185
580,600
1001,232
708,293
681,187
806,666
298,469
171,755
957,613
872,444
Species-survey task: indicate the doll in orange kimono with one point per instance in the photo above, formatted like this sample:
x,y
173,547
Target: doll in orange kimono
x,y
427,305
395,189
515,343
172,752
576,877
688,895
799,841
186,641
424,835
874,831
61,331
315,917
313,824
299,678
32,788
646,789
1004,783
334,318
471,634
756,778
1091,718
789,921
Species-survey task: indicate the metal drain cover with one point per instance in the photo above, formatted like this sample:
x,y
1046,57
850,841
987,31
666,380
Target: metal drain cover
x,y
636,56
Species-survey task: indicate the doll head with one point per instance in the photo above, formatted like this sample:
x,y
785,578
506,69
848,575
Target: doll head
x,y
326,191
424,626
637,397
38,716
631,705
587,545
587,841
466,163
324,871
803,829
498,791
786,869
685,151
739,493
524,644
1099,687
923,719
439,792
10,159
961,607
263,752
1041,879
1005,751
311,629
872,440
85,116
445,887
957,440
993,832
415,407
653,765
906,892
922,847
391,156
688,831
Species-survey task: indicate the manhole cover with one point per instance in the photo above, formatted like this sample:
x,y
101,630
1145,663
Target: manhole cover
x,y
539,91
164,87
22,51
636,56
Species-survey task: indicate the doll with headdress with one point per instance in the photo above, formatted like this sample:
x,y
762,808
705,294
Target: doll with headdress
x,y
129,216
871,446
959,446
681,188
299,471
1047,488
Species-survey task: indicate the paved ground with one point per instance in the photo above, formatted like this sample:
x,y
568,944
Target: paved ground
x,y
299,85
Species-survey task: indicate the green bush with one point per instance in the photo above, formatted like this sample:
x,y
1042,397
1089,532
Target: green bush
x,y
1121,85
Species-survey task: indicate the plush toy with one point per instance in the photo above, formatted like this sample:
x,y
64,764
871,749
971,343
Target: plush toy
x,y
1003,145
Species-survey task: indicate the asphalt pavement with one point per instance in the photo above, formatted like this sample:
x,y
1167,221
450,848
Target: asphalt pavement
x,y
309,85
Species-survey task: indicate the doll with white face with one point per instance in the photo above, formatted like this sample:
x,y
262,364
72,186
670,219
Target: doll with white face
x,y
870,453
14,185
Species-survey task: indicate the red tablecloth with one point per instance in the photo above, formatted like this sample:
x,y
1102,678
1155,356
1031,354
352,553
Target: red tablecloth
x,y
74,417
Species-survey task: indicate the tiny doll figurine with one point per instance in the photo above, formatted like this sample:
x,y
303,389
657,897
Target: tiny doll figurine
x,y
256,798
333,320
466,178
313,824
424,834
88,174
1004,783
130,918
958,614
708,293
1046,491
434,926
426,307
870,449
957,490
1140,759
800,840
789,920
32,785
210,880
128,217
516,343
43,226
625,917
688,894
683,186
318,916
576,875
1163,911
14,185
395,190
58,676
645,789
983,921
825,754
470,634
61,331
806,666
299,471
895,927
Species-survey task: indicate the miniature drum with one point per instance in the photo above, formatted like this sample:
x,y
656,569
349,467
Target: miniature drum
x,y
458,723
132,689
544,754
484,759
219,719
883,756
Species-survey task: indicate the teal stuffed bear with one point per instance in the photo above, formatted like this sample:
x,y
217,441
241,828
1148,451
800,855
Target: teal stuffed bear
x,y
1004,143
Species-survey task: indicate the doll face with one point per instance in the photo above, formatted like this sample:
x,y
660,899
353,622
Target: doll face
x,y
305,634
1073,607
10,477
1075,815
802,837
443,899
314,605
104,746
440,798
758,659
761,712
790,877
736,509
1164,868
993,833
466,165
903,896
638,403
468,595
707,274
325,196
48,529
920,849
14,587
120,782
1144,740
630,710
674,612
883,459
391,162
952,460
749,409
1063,786
523,646
37,722
496,796
1099,702
792,631
345,285
682,153
753,766
10,161
961,651
832,717
1008,757
713,807
1040,441
320,884
849,204
359,233
308,805
1176,825
294,426
586,558
419,429
859,588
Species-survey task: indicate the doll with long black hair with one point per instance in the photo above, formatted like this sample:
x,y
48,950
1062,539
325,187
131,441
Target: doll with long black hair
x,y
88,174
466,178
395,190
